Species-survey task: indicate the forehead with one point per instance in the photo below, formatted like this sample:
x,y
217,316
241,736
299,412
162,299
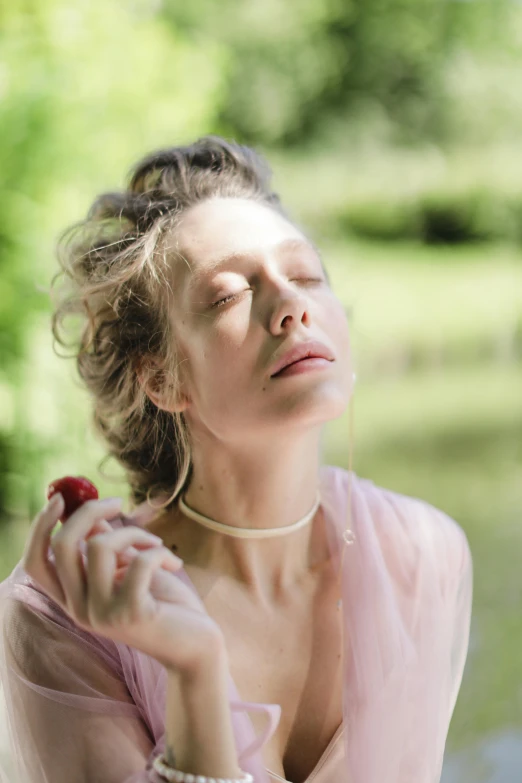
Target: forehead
x,y
220,227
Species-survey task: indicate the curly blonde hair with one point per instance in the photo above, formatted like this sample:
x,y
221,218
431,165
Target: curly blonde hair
x,y
117,280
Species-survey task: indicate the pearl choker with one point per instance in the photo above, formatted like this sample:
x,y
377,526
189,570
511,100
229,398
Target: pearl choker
x,y
247,532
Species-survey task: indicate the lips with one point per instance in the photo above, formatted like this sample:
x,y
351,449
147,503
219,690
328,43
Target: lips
x,y
304,350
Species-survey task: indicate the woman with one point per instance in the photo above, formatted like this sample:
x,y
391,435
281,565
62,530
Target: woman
x,y
257,633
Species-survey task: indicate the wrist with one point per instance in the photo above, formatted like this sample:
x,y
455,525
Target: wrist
x,y
207,684
210,660
199,728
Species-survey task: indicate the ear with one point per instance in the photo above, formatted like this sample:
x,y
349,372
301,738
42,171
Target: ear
x,y
159,388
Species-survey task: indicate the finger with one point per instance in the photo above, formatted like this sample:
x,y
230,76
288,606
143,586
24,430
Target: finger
x,y
92,516
102,526
136,582
127,555
145,512
68,556
34,559
102,556
123,557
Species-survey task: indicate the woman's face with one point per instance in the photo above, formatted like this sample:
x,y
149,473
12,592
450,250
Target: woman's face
x,y
250,288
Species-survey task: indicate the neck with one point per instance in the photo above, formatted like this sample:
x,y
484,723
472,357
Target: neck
x,y
245,489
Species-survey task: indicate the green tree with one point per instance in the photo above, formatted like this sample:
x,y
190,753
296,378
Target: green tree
x,y
294,65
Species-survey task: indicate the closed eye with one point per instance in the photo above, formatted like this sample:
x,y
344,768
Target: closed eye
x,y
309,280
226,299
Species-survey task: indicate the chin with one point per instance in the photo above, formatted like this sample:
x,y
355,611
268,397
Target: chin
x,y
336,407
318,409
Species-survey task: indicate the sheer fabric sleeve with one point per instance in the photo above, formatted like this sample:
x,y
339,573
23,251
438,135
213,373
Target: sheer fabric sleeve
x,y
407,595
444,582
70,716
460,581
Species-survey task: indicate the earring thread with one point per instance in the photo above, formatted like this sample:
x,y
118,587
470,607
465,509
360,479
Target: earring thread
x,y
348,536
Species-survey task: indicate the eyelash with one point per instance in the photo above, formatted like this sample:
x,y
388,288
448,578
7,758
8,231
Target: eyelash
x,y
230,297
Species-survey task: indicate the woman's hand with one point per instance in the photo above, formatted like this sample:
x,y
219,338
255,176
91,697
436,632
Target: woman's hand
x,y
123,587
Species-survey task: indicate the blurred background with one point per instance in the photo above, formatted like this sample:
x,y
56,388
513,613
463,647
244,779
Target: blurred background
x,y
393,128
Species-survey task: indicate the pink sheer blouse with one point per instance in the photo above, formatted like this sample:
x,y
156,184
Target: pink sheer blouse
x,y
83,708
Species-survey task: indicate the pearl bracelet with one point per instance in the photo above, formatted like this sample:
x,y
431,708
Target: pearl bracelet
x,y
167,772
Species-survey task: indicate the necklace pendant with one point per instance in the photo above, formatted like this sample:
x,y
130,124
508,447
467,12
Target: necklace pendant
x,y
349,537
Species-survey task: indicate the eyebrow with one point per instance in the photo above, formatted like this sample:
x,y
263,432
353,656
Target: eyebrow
x,y
213,266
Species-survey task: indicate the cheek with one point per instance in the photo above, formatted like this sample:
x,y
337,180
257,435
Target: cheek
x,y
214,372
226,351
338,324
202,361
339,331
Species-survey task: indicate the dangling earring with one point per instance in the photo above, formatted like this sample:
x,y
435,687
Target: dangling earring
x,y
348,535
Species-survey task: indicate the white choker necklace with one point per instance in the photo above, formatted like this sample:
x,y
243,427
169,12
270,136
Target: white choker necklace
x,y
247,532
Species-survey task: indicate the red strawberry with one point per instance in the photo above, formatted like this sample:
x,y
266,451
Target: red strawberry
x,y
76,490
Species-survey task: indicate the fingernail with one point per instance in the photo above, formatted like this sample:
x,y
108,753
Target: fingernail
x,y
55,502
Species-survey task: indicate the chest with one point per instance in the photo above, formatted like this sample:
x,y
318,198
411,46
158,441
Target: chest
x,y
288,655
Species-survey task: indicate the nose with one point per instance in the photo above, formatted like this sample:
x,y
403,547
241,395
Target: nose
x,y
291,310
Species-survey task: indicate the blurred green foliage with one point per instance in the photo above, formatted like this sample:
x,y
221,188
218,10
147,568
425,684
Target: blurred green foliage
x,y
295,66
84,90
360,106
